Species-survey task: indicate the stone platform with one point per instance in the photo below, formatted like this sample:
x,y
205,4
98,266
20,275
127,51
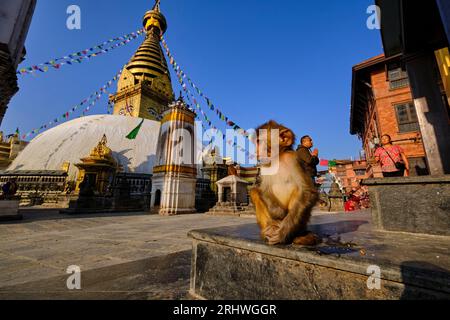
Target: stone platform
x,y
234,263
232,209
99,204
411,204
9,210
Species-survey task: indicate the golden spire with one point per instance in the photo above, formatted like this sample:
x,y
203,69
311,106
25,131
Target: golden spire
x,y
155,19
145,83
156,6
149,60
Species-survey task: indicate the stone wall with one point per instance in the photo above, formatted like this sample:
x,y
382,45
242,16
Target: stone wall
x,y
415,204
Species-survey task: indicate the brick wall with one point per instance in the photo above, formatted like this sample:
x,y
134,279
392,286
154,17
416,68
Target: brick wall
x,y
382,118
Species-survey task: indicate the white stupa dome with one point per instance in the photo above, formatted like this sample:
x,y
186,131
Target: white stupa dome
x,y
73,140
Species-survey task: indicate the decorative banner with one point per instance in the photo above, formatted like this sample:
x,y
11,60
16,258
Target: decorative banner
x,y
194,102
81,56
182,75
219,113
208,121
90,102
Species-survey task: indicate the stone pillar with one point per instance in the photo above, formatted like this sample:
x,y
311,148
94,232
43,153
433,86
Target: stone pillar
x,y
431,112
175,173
220,192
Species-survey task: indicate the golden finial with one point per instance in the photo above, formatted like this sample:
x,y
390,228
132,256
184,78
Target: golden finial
x,y
155,19
156,7
104,140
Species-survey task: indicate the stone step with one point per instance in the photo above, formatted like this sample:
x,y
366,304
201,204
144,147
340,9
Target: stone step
x,y
410,266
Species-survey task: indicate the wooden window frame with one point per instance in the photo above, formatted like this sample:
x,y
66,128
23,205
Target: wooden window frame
x,y
399,124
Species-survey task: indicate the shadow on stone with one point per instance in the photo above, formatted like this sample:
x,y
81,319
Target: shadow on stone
x,y
413,272
157,278
339,227
29,216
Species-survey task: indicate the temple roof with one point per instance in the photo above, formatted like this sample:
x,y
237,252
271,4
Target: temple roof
x,y
231,180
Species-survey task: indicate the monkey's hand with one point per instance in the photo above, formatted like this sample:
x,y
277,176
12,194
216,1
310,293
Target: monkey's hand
x,y
279,232
273,233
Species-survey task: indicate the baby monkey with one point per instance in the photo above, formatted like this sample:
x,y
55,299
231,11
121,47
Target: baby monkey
x,y
285,195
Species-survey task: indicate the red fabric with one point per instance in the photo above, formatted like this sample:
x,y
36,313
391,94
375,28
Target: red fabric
x,y
349,206
385,155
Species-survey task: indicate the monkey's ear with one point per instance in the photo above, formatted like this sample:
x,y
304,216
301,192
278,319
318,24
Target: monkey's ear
x,y
287,138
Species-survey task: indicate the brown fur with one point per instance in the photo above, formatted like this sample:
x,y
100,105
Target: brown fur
x,y
284,199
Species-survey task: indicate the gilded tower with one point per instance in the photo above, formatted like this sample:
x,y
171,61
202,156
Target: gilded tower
x,y
144,89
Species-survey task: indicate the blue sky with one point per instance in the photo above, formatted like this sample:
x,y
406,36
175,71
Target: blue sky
x,y
257,60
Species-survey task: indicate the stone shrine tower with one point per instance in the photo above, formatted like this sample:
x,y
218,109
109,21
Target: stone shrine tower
x,y
175,173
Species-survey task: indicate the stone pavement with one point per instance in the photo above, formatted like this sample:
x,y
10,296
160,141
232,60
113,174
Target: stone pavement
x,y
121,256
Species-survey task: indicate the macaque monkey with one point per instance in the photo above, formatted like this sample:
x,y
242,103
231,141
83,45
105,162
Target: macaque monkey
x,y
285,195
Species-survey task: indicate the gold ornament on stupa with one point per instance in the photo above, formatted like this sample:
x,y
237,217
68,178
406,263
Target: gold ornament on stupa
x,y
101,151
145,87
99,167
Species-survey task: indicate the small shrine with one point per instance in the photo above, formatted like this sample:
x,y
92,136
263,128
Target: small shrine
x,y
233,197
336,198
233,189
96,172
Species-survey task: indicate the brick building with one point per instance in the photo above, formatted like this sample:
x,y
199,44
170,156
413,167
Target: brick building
x,y
382,103
418,33
349,173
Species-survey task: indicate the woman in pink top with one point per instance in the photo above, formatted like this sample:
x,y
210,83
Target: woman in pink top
x,y
388,155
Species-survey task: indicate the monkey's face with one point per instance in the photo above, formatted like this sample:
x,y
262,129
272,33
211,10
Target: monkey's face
x,y
272,140
263,147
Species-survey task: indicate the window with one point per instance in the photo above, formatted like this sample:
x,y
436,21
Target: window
x,y
397,76
406,117
360,172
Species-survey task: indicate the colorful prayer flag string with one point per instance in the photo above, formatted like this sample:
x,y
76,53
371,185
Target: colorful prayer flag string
x,y
205,116
81,56
89,102
211,106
